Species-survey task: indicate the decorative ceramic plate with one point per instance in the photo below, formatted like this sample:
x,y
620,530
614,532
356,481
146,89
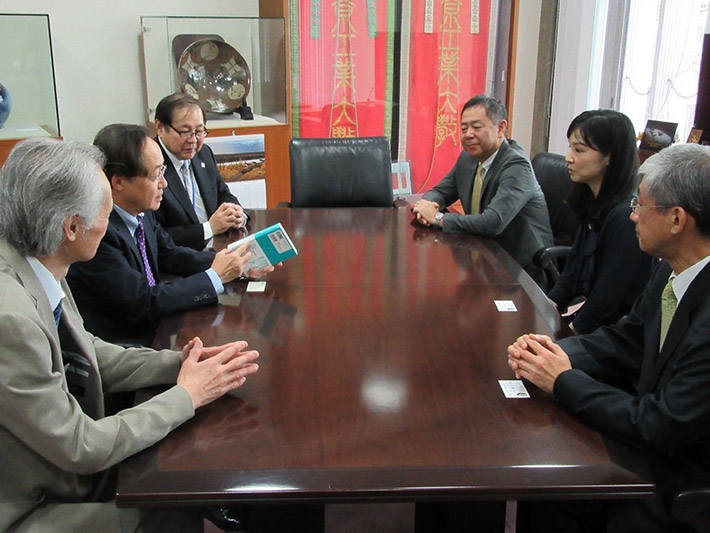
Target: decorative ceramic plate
x,y
214,73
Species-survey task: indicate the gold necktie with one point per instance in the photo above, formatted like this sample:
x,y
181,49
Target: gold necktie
x,y
477,186
668,305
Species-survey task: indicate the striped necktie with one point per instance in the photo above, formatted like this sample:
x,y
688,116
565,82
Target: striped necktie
x,y
477,186
57,313
193,191
669,302
140,241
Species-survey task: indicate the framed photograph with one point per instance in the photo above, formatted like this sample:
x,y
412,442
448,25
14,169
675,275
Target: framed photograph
x,y
658,135
695,135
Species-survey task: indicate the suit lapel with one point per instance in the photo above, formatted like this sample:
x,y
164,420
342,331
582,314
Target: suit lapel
x,y
29,281
129,242
92,400
199,169
692,298
491,171
176,188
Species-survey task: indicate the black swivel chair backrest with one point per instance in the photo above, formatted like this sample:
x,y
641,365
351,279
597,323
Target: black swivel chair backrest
x,y
551,173
343,172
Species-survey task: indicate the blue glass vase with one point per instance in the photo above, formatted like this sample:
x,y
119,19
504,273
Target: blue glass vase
x,y
5,104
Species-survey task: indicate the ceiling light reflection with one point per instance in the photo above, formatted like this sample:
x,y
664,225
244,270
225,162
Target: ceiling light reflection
x,y
382,393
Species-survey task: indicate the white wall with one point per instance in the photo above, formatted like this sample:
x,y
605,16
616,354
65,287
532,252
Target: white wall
x,y
98,65
97,59
525,72
572,68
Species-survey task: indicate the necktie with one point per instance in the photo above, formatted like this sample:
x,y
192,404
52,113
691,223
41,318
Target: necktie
x,y
668,305
140,240
193,191
477,186
57,313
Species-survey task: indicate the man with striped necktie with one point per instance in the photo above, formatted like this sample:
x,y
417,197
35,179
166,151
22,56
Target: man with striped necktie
x,y
197,203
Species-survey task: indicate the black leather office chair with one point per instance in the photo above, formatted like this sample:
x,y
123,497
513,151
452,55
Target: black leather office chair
x,y
551,173
343,172
691,504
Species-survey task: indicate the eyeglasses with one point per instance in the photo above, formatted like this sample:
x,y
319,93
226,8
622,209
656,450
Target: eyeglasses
x,y
159,175
635,205
199,134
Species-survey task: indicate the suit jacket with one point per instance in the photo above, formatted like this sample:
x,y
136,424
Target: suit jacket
x,y
112,291
656,402
513,209
176,214
50,444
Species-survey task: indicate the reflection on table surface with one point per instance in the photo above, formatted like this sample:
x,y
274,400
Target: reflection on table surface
x,y
381,350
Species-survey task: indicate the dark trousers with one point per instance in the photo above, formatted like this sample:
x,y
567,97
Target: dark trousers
x,y
615,516
460,517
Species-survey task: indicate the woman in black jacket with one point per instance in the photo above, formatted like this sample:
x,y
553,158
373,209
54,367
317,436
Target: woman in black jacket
x,y
605,266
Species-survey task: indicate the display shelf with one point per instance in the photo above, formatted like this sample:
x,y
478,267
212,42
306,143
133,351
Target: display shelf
x,y
28,75
263,42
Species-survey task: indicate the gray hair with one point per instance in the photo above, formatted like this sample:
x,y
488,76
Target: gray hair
x,y
680,176
43,182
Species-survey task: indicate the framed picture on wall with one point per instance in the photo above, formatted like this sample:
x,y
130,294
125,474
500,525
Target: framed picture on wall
x,y
695,135
658,135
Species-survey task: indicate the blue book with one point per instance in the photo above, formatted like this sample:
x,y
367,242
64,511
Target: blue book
x,y
268,246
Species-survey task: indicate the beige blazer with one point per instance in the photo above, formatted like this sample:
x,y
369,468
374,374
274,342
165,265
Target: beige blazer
x,y
49,445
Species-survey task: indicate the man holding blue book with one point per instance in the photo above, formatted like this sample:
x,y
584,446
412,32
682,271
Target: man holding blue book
x,y
122,292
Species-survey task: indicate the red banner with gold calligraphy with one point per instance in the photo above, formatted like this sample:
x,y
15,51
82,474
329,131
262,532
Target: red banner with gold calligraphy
x,y
343,57
447,65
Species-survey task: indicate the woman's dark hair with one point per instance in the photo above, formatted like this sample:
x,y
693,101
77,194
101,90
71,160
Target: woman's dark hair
x,y
611,134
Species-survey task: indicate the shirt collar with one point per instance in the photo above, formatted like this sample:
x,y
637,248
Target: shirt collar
x,y
682,281
488,162
49,283
177,163
128,219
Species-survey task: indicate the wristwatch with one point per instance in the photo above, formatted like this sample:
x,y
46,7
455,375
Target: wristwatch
x,y
439,219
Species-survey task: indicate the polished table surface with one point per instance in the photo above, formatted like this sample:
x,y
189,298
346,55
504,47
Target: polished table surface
x,y
380,348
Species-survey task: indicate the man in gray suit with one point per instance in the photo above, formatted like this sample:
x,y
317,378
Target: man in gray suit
x,y
57,444
506,204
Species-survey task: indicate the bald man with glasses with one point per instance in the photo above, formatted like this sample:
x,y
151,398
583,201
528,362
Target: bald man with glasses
x,y
197,203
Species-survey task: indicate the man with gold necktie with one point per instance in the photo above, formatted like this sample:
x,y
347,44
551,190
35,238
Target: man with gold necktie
x,y
644,381
495,182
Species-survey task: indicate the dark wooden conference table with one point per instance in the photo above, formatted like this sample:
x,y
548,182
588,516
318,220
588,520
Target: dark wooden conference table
x,y
380,348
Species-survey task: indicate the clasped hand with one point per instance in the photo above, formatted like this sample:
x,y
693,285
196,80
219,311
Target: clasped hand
x,y
538,359
425,211
209,373
227,216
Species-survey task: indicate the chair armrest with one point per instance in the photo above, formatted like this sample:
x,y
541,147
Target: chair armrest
x,y
690,502
546,259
